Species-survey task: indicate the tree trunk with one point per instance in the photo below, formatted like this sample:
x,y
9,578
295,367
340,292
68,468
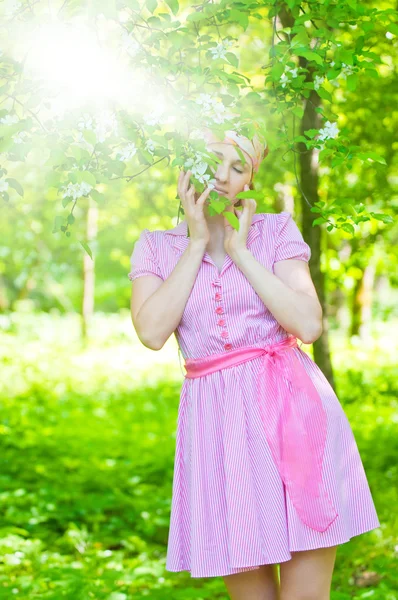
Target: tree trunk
x,y
308,178
361,308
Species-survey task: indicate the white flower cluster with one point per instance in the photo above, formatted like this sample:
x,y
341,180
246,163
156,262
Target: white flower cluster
x,y
214,108
3,185
103,124
318,81
198,167
220,50
154,117
20,137
284,78
127,152
76,190
345,70
9,120
150,146
329,131
130,44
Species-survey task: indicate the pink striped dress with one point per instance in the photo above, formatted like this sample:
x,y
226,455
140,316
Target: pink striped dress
x,y
230,509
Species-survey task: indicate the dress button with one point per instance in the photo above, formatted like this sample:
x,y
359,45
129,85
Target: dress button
x,y
216,283
224,334
227,346
219,310
218,296
221,322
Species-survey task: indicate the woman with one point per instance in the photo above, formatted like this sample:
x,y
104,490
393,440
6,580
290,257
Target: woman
x,y
267,470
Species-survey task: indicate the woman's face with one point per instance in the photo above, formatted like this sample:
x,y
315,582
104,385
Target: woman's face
x,y
231,174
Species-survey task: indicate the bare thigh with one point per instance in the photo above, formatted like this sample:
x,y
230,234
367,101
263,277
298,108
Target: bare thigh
x,y
308,574
259,584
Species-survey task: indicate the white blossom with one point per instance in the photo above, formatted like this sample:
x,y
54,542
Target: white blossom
x,y
20,137
76,190
318,81
346,70
205,100
292,71
154,117
330,130
220,113
9,119
150,146
198,167
220,50
3,185
130,44
86,122
127,152
284,79
213,108
105,125
332,63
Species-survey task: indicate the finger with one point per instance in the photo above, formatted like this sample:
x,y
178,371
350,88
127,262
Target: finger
x,y
202,198
185,183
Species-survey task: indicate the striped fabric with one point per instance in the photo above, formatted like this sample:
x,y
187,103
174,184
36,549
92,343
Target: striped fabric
x,y
230,508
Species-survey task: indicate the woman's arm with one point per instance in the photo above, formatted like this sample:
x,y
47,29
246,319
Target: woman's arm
x,y
157,314
289,295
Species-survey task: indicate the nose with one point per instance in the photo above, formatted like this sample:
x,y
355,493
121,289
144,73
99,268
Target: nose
x,y
221,173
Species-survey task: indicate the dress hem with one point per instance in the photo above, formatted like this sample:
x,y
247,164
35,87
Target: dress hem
x,y
276,562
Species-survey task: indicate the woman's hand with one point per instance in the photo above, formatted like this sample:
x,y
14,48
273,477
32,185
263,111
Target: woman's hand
x,y
193,208
235,241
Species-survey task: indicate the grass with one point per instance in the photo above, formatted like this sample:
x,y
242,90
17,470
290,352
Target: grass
x,y
87,435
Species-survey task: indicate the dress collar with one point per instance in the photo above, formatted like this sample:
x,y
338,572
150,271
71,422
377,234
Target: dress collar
x,y
177,238
182,228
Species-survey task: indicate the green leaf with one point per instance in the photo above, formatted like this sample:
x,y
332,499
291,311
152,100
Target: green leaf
x,y
352,81
232,59
319,221
87,249
97,196
298,111
240,17
373,156
309,55
90,136
196,16
15,185
348,228
232,219
393,28
88,177
256,194
324,94
151,5
311,133
174,6
382,217
58,223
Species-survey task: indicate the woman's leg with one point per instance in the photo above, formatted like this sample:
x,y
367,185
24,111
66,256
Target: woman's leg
x,y
308,575
259,584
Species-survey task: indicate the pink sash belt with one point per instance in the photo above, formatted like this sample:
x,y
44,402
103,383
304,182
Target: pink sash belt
x,y
294,420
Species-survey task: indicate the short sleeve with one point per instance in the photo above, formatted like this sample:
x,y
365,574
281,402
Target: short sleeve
x,y
290,242
143,259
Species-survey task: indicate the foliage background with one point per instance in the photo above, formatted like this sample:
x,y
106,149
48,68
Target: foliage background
x,y
88,414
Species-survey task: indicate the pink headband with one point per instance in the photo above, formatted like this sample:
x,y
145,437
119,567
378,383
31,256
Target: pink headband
x,y
254,148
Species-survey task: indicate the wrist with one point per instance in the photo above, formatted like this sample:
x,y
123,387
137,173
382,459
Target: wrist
x,y
240,256
197,246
